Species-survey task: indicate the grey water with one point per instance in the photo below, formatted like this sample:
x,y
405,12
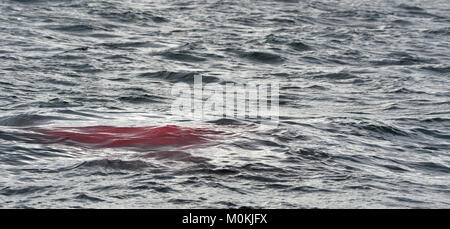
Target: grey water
x,y
364,102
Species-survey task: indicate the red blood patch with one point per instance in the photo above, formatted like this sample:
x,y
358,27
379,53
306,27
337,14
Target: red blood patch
x,y
110,136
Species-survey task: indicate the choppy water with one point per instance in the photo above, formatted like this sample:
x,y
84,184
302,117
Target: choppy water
x,y
364,102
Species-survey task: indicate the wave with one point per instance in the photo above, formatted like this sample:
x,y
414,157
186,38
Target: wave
x,y
175,77
263,57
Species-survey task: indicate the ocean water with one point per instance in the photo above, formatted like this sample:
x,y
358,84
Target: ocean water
x,y
364,103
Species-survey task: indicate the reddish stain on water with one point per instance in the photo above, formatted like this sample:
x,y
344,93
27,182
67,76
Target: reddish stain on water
x,y
147,136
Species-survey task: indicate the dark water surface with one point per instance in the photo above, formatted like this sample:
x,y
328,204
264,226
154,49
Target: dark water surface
x,y
364,102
